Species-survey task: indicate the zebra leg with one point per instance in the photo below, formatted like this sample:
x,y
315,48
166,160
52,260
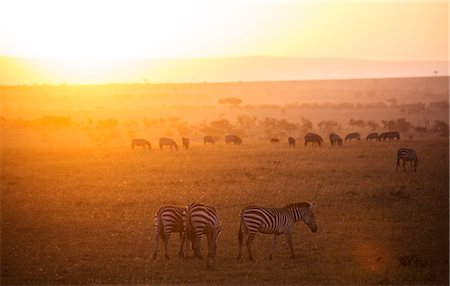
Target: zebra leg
x,y
156,247
289,239
182,240
398,163
404,163
240,240
250,239
166,242
274,244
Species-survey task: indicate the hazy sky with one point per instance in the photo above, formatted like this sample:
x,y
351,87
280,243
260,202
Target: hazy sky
x,y
374,30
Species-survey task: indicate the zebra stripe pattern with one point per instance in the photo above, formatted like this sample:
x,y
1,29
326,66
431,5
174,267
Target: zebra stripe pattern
x,y
274,221
313,139
169,219
405,155
202,219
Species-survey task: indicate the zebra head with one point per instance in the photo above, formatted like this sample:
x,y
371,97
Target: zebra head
x,y
303,211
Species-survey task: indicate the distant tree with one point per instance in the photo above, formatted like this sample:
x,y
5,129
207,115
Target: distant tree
x,y
420,129
306,125
402,125
232,101
356,123
372,125
393,102
441,127
328,126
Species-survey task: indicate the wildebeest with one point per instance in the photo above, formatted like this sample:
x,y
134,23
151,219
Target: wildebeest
x,y
274,140
373,136
167,142
351,136
208,139
335,139
313,139
393,135
186,142
291,142
141,142
233,139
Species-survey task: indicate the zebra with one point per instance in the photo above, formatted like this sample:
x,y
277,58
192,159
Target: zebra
x,y
291,142
202,219
274,140
140,142
373,136
351,136
169,219
313,139
393,135
186,142
208,139
335,139
274,221
167,141
233,139
405,155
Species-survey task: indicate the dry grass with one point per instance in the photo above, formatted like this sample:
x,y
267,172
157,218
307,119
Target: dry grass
x,y
85,216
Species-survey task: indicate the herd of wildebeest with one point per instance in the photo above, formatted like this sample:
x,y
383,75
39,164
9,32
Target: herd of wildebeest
x,y
196,220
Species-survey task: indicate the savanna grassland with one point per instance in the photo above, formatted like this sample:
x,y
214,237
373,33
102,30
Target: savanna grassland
x,y
85,215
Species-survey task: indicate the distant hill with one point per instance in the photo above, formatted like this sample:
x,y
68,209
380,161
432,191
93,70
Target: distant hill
x,y
234,69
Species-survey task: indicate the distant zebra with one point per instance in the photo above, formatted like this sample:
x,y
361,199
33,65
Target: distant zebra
x,y
405,155
208,139
335,139
202,219
393,135
274,140
373,136
233,139
141,142
291,142
351,136
169,219
167,142
273,221
314,139
186,142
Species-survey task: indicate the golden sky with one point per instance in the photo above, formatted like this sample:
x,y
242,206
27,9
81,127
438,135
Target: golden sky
x,y
83,33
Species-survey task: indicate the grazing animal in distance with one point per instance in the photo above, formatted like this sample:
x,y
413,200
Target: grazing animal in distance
x,y
141,142
351,136
407,155
186,142
169,219
373,136
335,139
208,139
202,219
274,140
167,142
291,142
392,135
233,139
314,139
274,221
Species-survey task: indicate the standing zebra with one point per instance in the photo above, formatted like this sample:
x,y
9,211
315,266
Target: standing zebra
x,y
373,136
202,219
140,142
168,142
335,139
276,221
291,142
405,155
186,142
313,139
351,136
169,219
208,139
392,135
274,140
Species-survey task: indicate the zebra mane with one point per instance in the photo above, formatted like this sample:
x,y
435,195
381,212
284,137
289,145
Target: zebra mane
x,y
298,205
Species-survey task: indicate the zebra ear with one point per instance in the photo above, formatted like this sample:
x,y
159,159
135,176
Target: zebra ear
x,y
312,205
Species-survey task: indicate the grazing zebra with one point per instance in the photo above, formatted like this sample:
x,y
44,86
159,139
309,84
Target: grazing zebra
x,y
393,135
274,221
169,219
405,155
335,139
351,136
186,142
140,142
168,142
274,140
313,139
233,139
373,136
202,219
208,139
291,142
